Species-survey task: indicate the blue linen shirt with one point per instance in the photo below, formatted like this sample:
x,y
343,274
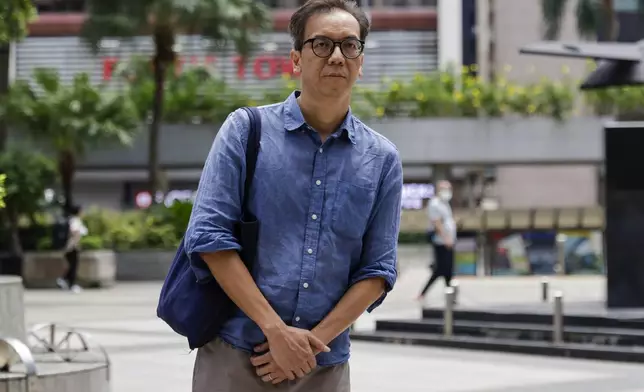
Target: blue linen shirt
x,y
329,215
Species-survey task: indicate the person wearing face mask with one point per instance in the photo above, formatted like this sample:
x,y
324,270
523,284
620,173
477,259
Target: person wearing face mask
x,y
444,226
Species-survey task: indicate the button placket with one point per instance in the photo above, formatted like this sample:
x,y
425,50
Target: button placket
x,y
311,235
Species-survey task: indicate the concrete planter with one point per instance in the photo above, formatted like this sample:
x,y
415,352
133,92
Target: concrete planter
x,y
12,312
143,265
97,268
420,141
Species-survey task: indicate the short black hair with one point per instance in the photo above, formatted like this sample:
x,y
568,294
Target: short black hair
x,y
300,17
74,210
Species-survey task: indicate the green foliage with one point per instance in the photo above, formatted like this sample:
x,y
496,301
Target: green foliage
x,y
195,95
3,191
71,118
92,242
15,15
28,175
463,95
158,228
199,96
222,21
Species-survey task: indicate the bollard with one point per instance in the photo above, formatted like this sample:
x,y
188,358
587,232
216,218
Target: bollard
x,y
544,289
557,320
454,284
448,316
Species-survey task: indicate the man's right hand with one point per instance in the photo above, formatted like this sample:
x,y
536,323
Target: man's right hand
x,y
293,350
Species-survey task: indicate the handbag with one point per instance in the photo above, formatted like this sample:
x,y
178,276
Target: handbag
x,y
197,308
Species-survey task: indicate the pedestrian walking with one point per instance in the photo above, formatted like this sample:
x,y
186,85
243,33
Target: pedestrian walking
x,y
443,228
76,231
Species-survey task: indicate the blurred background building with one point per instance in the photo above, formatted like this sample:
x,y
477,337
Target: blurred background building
x,y
542,174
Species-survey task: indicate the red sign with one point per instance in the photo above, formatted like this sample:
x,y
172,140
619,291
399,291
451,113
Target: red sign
x,y
263,67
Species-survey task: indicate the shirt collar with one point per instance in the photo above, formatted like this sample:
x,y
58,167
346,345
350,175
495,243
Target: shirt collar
x,y
294,120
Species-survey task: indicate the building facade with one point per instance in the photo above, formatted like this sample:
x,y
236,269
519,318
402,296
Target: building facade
x,y
409,36
403,42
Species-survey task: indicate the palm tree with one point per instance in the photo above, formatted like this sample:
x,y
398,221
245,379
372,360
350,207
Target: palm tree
x,y
221,21
195,95
592,16
70,118
14,18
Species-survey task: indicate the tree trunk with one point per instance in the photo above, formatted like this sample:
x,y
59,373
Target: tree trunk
x,y
4,89
66,169
611,26
155,125
15,247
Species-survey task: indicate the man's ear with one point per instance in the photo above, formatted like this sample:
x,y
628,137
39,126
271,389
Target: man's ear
x,y
361,63
296,59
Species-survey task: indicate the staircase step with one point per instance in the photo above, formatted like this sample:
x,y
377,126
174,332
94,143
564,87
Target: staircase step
x,y
571,350
537,318
519,331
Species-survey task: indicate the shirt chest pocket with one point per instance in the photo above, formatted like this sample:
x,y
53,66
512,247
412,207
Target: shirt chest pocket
x,y
351,209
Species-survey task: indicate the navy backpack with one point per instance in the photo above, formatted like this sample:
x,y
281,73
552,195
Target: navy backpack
x,y
196,308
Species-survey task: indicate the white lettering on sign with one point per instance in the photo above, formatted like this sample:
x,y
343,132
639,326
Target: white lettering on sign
x,y
414,195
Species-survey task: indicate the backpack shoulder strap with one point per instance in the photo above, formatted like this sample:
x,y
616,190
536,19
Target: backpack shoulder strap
x,y
252,150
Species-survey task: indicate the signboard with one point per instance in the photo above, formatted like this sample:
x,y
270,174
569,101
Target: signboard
x,y
415,195
390,54
263,67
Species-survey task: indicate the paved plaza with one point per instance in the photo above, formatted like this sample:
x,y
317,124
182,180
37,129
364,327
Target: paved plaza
x,y
147,356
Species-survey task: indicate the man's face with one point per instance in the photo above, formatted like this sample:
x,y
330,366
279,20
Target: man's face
x,y
334,75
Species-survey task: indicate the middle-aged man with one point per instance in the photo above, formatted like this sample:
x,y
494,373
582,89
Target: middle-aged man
x,y
327,194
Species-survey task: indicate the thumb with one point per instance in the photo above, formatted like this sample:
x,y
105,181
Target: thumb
x,y
317,344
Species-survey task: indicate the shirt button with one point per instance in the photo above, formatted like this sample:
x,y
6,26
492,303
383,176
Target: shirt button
x,y
314,217
297,318
305,285
309,251
321,149
318,182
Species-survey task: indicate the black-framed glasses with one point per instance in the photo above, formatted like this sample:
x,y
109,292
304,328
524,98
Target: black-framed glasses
x,y
323,47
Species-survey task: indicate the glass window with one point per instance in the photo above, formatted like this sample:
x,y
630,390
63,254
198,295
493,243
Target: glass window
x,y
626,5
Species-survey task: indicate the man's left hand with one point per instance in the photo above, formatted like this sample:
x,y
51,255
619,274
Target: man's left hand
x,y
265,366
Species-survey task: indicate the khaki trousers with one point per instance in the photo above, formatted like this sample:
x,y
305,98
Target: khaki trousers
x,y
220,367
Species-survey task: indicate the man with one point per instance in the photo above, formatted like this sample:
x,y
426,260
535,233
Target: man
x,y
327,193
442,221
76,231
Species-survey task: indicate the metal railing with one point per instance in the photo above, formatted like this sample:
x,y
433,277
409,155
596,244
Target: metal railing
x,y
558,336
558,319
12,352
58,339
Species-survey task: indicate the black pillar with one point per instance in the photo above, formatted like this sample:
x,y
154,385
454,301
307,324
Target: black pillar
x,y
624,198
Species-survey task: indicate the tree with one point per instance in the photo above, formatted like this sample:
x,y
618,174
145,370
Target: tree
x,y
221,21
196,95
592,17
28,175
70,118
15,15
14,18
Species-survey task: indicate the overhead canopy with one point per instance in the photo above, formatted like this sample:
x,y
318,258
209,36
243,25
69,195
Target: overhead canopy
x,y
620,64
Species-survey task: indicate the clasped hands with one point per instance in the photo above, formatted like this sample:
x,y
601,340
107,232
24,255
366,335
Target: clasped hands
x,y
292,354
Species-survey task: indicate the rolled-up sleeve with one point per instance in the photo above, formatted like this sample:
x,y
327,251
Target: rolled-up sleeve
x,y
217,206
378,259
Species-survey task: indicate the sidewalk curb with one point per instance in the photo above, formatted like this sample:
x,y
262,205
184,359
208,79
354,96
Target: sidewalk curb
x,y
567,350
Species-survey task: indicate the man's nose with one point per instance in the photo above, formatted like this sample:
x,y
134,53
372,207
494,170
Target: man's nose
x,y
336,56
